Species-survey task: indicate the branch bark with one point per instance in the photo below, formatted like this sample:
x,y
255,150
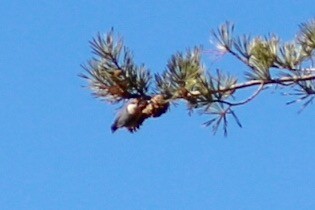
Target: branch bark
x,y
279,81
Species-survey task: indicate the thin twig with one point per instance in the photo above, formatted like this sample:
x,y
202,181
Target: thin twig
x,y
242,59
260,88
279,81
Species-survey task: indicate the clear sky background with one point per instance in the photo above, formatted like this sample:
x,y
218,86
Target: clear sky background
x,y
56,148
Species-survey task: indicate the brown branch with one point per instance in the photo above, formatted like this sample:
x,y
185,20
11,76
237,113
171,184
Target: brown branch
x,y
260,88
279,81
230,104
261,83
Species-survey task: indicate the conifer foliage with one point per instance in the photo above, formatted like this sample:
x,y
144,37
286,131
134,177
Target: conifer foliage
x,y
113,76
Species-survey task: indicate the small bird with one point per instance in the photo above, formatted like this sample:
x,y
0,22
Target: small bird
x,y
130,116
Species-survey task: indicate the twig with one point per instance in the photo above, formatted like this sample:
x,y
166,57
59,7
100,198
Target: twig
x,y
279,81
260,88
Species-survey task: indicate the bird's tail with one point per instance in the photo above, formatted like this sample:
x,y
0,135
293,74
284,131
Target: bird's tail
x,y
114,128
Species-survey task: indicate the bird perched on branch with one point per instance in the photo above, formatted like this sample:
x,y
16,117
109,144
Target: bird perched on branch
x,y
131,115
137,110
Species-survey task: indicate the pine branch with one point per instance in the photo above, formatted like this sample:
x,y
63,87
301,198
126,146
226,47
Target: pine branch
x,y
280,81
113,75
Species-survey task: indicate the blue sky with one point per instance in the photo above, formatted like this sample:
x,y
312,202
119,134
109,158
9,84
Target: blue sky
x,y
56,148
